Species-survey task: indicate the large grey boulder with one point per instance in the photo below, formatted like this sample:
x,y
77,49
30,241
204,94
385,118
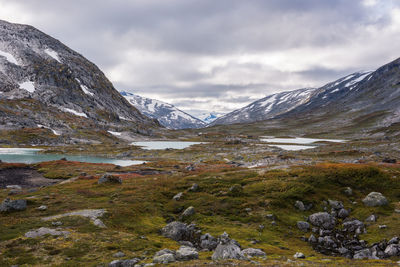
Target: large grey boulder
x,y
208,242
179,231
253,252
227,249
363,254
353,226
12,205
108,178
164,258
323,220
392,250
185,253
375,199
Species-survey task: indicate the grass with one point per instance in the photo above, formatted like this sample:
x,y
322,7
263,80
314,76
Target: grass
x,y
140,207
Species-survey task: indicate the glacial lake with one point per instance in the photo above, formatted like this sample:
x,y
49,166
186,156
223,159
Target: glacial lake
x,y
165,144
296,143
31,155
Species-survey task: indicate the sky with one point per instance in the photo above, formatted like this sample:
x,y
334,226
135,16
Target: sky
x,y
219,55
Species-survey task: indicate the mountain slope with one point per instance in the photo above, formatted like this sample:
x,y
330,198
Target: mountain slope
x,y
210,117
168,115
266,108
57,85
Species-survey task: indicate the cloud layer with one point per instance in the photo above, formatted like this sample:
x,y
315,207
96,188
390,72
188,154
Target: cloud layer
x,y
219,55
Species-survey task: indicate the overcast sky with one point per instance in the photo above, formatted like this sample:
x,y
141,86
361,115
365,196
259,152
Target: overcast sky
x,y
219,55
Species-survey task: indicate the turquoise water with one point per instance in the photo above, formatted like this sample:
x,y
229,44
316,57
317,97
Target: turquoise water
x,y
165,144
30,155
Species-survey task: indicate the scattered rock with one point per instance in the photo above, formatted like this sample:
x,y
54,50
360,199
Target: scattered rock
x,y
178,196
299,205
303,226
119,254
394,240
164,251
371,218
348,191
208,242
236,190
179,231
363,254
189,212
299,255
185,253
253,252
227,249
108,178
42,208
194,188
15,187
270,217
164,258
337,205
383,226
353,226
392,250
45,231
343,213
99,223
58,223
323,220
375,199
389,160
124,263
312,239
9,205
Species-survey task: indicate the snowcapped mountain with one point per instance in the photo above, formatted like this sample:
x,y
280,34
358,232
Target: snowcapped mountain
x,y
43,82
210,117
168,115
267,107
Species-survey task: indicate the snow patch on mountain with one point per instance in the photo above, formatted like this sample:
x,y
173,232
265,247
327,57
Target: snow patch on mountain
x,y
10,58
53,54
28,86
80,114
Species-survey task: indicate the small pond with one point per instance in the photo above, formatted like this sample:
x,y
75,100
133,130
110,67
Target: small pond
x,y
31,155
165,144
299,143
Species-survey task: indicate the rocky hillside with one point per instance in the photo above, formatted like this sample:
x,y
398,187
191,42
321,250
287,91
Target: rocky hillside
x,y
268,107
168,115
43,82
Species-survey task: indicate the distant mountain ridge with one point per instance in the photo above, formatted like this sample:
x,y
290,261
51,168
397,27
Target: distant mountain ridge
x,y
168,115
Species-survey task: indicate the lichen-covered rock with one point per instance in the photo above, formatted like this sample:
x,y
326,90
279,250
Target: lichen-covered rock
x,y
253,252
164,258
299,255
185,253
375,199
108,178
392,250
179,231
208,242
189,212
45,231
323,220
124,263
299,205
227,249
9,205
178,196
353,226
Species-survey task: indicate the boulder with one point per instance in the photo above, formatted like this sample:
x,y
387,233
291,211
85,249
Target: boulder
x,y
299,255
108,178
253,252
312,239
189,212
179,231
323,220
208,242
185,253
42,208
337,205
363,254
394,240
375,199
124,263
348,191
343,213
227,249
392,250
371,218
303,226
45,231
178,196
119,254
9,205
164,258
299,205
353,226
194,188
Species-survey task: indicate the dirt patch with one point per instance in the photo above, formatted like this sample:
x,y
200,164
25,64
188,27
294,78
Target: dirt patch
x,y
25,177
